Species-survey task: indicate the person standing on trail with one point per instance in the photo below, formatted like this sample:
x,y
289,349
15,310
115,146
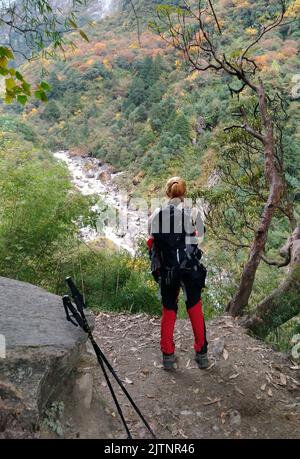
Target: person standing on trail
x,y
175,263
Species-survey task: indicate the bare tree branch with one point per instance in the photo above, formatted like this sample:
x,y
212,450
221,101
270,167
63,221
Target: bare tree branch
x,y
248,129
279,264
215,16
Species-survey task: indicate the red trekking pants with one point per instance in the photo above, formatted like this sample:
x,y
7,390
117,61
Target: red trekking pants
x,y
169,294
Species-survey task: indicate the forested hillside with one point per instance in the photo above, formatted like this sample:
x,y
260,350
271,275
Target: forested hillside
x,y
130,99
139,107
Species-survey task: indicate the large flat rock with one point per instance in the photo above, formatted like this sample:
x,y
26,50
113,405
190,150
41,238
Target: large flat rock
x,y
42,348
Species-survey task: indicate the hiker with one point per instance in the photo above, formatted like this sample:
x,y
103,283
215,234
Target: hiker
x,y
175,263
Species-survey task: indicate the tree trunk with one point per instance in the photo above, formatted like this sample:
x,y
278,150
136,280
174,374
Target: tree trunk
x,y
276,188
284,303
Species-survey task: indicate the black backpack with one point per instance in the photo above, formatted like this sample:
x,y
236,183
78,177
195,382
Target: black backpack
x,y
174,238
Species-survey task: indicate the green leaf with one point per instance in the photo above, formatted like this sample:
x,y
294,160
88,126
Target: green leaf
x,y
2,51
3,61
45,86
84,36
26,88
9,54
41,95
38,95
22,99
19,76
10,83
6,52
8,99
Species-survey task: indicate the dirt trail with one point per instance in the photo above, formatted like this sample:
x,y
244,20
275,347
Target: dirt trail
x,y
250,391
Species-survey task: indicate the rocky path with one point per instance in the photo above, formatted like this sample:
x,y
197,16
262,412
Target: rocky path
x,y
249,391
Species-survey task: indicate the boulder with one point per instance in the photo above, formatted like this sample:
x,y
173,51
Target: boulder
x,y
138,178
42,349
81,151
106,173
104,176
91,174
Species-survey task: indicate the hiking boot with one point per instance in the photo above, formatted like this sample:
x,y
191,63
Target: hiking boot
x,y
169,361
202,360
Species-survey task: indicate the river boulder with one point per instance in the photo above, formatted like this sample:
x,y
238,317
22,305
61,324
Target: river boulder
x,y
105,176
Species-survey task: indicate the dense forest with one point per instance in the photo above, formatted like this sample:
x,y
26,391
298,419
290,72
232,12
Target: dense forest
x,y
128,96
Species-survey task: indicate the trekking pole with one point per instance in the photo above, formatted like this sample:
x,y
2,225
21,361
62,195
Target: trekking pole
x,y
78,299
81,306
84,325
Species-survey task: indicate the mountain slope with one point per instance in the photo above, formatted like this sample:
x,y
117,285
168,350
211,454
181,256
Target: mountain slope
x,y
138,107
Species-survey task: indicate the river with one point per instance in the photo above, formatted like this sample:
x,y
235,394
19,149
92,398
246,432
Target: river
x,y
92,178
